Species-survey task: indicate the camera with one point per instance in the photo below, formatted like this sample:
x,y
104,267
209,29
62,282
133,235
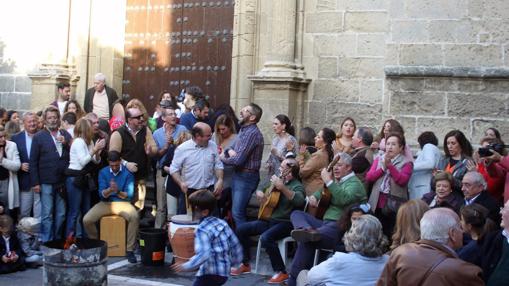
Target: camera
x,y
486,151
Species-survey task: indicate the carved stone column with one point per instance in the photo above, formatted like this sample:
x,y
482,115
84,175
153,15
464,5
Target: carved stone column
x,y
280,86
45,80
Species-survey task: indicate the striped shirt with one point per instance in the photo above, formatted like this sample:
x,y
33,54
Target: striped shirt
x,y
249,149
216,247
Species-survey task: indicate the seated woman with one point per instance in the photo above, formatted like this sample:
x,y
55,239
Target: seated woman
x,y
408,221
475,222
350,214
458,151
363,263
389,174
443,195
311,165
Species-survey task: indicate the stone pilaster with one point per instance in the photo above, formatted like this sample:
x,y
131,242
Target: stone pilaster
x,y
45,80
280,86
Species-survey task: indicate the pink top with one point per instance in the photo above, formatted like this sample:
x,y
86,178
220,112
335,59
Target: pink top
x,y
116,122
400,177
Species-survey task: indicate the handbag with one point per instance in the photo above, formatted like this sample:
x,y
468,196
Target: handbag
x,y
85,182
392,205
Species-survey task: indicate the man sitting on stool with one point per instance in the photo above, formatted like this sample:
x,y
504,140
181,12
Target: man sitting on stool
x,y
279,225
312,233
116,190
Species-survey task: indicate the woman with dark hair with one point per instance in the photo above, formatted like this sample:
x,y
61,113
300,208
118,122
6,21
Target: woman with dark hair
x,y
492,133
390,126
282,143
343,141
443,195
73,106
426,162
458,152
494,180
311,166
476,223
307,141
350,214
390,174
13,115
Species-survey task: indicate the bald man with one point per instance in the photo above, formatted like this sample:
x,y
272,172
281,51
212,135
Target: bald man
x,y
432,259
135,143
196,164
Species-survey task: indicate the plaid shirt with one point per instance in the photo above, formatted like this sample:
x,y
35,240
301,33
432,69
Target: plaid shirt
x,y
249,148
216,247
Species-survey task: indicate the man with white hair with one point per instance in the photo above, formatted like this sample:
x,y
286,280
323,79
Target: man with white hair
x,y
312,233
100,98
474,187
432,260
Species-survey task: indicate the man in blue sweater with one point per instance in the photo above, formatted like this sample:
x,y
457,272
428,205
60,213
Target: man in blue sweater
x,y
116,189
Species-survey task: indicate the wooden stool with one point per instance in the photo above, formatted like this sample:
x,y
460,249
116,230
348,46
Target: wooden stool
x,y
113,232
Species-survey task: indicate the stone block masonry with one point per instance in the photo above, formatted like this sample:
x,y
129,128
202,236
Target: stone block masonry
x,y
15,92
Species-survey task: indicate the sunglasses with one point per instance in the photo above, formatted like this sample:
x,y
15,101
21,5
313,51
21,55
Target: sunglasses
x,y
138,117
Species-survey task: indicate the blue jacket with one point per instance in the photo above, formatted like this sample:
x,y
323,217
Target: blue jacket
x,y
23,177
46,165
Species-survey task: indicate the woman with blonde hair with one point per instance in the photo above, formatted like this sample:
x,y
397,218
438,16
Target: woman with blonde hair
x,y
408,220
83,151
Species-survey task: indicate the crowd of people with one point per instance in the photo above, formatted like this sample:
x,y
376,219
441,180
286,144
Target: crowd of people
x,y
388,217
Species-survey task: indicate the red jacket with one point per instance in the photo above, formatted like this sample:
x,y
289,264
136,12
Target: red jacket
x,y
501,170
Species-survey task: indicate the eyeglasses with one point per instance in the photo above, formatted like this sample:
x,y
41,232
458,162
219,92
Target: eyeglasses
x,y
139,117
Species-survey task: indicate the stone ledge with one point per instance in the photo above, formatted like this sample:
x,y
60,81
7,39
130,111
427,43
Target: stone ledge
x,y
441,71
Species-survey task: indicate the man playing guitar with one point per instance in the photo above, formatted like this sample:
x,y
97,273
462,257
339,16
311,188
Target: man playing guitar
x,y
278,226
312,233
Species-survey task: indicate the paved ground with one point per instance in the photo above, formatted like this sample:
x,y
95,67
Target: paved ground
x,y
122,273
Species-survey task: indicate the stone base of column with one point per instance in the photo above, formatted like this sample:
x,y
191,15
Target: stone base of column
x,y
279,95
45,80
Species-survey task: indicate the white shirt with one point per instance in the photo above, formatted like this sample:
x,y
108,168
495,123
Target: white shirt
x,y
28,140
196,164
80,154
101,105
61,107
472,200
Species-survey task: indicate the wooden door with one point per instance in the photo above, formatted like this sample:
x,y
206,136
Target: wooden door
x,y
171,44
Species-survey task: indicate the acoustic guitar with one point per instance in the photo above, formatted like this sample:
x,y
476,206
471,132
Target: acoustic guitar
x,y
324,202
272,195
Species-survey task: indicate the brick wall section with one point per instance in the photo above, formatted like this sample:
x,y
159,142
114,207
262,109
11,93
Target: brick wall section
x,y
348,45
15,92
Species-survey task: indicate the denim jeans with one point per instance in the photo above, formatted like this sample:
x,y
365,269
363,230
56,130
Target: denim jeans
x,y
79,204
243,186
30,202
304,254
271,232
51,202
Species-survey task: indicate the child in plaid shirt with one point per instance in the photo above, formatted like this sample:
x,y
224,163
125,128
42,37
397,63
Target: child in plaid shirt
x,y
215,244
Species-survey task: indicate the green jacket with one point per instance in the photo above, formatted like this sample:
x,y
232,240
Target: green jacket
x,y
343,194
285,207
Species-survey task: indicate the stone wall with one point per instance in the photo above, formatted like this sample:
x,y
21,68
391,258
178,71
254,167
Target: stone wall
x,y
15,89
344,51
433,65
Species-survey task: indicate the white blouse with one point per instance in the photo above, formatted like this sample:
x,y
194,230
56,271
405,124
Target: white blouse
x,y
80,154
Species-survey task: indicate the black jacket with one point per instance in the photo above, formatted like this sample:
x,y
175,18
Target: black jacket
x,y
89,99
